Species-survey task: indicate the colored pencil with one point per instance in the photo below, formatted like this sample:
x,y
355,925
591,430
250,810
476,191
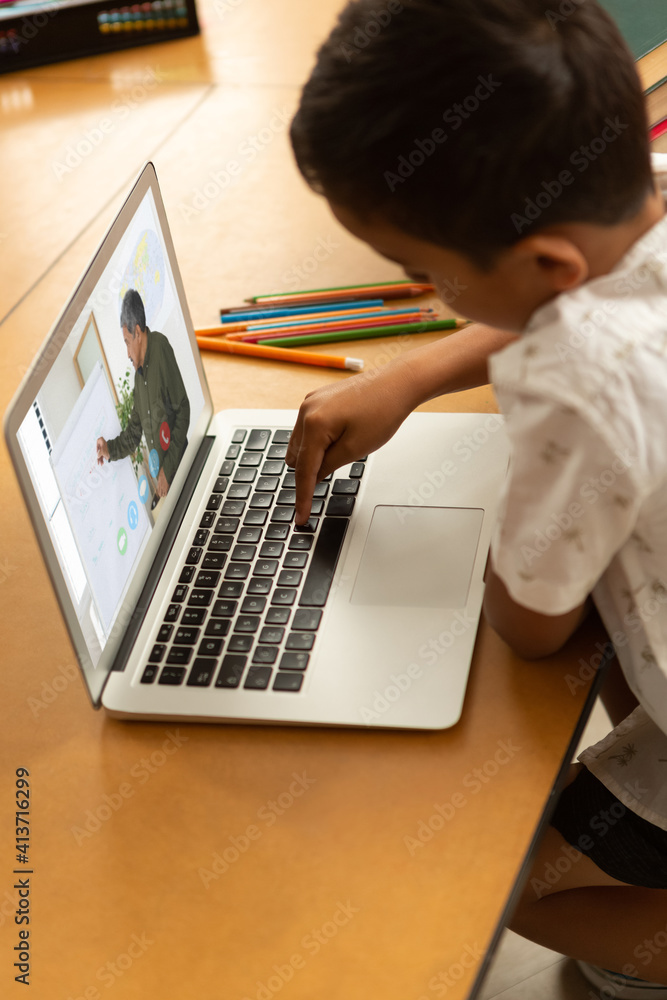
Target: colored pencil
x,y
311,319
278,354
390,289
365,334
252,312
253,336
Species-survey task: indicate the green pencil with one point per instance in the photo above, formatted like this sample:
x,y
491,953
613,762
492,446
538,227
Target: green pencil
x,y
364,333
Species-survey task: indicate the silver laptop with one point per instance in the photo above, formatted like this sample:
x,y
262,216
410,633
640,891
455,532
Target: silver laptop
x,y
188,591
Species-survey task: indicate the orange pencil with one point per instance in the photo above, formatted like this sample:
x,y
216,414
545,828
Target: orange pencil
x,y
280,354
251,336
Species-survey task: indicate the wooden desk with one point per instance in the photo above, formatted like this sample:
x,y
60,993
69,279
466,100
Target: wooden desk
x,y
234,862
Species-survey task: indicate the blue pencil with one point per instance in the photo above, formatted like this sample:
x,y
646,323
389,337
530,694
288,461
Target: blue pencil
x,y
243,313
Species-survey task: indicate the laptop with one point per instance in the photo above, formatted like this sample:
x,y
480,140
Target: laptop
x,y
188,591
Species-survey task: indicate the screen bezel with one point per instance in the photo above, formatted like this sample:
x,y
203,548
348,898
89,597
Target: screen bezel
x,y
95,676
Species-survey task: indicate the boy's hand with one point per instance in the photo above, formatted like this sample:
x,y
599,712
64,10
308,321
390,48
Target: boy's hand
x,y
340,423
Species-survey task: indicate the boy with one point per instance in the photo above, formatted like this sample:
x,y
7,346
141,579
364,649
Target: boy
x,y
498,148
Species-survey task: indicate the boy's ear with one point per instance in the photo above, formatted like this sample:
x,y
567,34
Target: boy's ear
x,y
553,260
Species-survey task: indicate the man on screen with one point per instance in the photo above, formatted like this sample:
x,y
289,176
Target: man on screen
x,y
161,407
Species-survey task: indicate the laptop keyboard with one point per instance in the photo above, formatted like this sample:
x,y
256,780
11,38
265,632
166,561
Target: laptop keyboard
x,y
248,604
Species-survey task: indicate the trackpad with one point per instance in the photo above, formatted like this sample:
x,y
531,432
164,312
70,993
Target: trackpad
x,y
418,557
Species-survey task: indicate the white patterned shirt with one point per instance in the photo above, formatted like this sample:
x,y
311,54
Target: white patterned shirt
x,y
584,395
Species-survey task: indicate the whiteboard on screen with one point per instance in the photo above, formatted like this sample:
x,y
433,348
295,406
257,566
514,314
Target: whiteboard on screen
x,y
108,519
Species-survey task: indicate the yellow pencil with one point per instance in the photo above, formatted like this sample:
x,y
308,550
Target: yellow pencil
x,y
280,354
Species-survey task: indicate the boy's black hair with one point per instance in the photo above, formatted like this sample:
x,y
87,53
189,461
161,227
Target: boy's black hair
x,y
472,123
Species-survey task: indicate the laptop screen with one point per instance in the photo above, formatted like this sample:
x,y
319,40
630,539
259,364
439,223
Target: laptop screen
x,y
115,414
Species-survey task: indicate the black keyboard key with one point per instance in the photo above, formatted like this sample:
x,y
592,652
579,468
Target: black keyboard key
x,y
287,681
253,605
316,506
214,502
339,506
357,470
271,634
258,678
221,484
289,578
271,550
289,480
265,654
220,543
277,532
232,508
283,596
150,673
302,543
239,491
200,598
218,627
245,475
164,633
238,436
194,555
179,654
186,574
224,609
202,672
172,612
267,484
276,451
244,553
307,619
249,536
294,661
237,571
323,562
207,520
233,451
310,526
281,436
227,524
180,594
286,497
284,515
240,643
230,588
201,537
193,616
256,517
345,487
246,623
251,459
260,585
186,635
266,567
231,671
321,489
172,675
300,640
258,440
273,468
295,560
278,616
207,577
227,468
261,501
212,560
210,647
157,652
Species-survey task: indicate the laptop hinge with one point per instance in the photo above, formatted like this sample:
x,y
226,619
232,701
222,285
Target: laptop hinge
x,y
146,596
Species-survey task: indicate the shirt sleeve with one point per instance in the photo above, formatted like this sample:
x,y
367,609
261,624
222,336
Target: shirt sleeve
x,y
177,402
570,503
128,440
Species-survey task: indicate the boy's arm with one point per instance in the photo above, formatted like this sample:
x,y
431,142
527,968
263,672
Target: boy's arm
x,y
529,634
340,423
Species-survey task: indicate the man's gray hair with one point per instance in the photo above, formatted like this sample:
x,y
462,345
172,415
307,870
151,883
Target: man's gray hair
x,y
132,311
